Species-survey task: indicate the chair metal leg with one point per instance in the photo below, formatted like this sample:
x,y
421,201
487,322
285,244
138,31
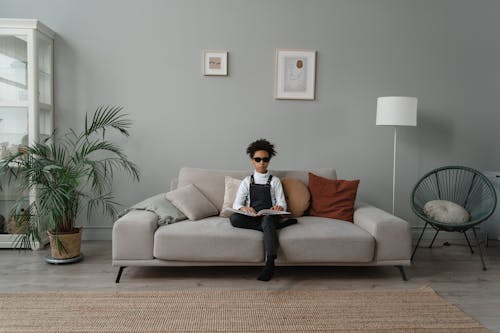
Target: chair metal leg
x,y
119,274
433,239
403,273
468,242
479,248
418,242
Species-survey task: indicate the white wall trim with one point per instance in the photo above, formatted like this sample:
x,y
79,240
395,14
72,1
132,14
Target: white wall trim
x,y
97,232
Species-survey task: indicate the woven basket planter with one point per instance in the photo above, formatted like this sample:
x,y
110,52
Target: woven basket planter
x,y
71,244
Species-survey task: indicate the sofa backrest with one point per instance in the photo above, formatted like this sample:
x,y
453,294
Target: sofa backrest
x,y
212,184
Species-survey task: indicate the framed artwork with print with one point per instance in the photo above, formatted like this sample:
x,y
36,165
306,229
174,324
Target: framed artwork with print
x,y
295,74
215,62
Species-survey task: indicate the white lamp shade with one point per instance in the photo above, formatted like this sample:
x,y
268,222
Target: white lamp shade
x,y
397,111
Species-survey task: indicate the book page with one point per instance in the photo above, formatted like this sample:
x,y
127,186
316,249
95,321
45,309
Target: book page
x,y
261,212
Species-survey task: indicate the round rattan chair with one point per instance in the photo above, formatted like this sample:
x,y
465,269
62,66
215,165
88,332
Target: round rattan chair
x,y
462,185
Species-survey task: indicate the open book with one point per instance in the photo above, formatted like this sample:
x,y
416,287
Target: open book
x,y
260,212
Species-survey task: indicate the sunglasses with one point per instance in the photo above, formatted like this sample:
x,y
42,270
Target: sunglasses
x,y
263,159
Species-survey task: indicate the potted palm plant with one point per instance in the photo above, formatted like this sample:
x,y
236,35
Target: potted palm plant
x,y
67,174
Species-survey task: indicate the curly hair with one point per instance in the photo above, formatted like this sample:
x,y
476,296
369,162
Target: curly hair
x,y
261,144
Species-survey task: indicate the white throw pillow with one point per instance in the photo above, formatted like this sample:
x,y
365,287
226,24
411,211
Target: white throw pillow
x,y
231,189
192,202
446,212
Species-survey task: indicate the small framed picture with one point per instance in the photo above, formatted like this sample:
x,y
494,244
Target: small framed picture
x,y
215,62
295,74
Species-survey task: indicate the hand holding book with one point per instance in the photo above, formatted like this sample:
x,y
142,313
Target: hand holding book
x,y
260,212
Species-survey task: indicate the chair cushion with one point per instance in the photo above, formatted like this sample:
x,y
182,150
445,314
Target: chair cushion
x,y
210,239
297,195
445,211
231,189
332,198
192,202
319,239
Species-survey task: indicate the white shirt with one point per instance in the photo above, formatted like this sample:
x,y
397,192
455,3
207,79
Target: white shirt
x,y
243,195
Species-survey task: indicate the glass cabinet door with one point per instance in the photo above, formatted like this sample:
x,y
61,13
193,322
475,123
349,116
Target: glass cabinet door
x,y
26,102
13,69
13,114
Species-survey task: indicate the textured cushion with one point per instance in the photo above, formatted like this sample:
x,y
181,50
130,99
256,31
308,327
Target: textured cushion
x,y
232,185
297,195
446,212
210,239
332,198
192,202
158,204
322,240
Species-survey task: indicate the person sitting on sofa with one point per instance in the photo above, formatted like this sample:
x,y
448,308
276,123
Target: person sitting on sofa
x,y
261,191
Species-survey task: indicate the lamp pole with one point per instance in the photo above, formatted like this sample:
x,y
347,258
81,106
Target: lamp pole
x,y
394,171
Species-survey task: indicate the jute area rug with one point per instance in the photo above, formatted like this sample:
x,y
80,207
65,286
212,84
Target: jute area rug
x,y
270,311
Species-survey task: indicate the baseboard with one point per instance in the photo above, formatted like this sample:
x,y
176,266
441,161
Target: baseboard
x,y
97,232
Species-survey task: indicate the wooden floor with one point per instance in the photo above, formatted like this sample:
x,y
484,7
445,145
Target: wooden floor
x,y
451,271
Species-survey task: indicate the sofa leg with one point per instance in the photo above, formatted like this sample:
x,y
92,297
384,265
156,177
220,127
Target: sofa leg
x,y
403,273
119,274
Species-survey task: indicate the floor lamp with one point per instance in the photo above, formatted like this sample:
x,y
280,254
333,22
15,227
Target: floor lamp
x,y
396,111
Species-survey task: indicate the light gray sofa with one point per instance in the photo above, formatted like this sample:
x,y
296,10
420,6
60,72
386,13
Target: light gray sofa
x,y
376,238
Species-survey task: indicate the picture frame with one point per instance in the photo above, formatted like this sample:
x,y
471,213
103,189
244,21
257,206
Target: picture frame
x,y
215,62
295,74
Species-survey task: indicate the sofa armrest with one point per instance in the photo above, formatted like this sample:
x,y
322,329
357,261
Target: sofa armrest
x,y
133,236
392,234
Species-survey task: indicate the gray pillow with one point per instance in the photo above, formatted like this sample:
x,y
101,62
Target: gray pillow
x,y
192,202
159,204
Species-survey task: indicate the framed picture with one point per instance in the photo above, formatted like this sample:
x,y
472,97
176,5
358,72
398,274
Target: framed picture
x,y
215,62
295,74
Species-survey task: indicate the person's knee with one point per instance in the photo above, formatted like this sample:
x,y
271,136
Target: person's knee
x,y
268,222
235,220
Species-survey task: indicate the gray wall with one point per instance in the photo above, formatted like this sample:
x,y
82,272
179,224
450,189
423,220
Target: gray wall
x,y
146,56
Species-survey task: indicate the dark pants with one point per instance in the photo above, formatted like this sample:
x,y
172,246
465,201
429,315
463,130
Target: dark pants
x,y
267,224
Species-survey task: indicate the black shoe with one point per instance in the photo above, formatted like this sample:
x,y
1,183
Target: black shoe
x,y
268,271
266,274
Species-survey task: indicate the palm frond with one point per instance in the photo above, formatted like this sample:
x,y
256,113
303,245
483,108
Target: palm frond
x,y
106,117
106,202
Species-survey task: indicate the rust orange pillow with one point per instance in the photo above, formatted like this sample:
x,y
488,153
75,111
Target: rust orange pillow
x,y
332,198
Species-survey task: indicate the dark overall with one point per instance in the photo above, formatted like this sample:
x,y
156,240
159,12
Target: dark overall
x,y
260,198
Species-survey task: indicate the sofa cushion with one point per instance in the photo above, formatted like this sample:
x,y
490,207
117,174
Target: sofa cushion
x,y
212,183
192,202
323,240
210,239
297,195
231,189
332,198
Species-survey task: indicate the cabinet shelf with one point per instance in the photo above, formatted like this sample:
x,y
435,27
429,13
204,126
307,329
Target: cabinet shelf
x,y
14,104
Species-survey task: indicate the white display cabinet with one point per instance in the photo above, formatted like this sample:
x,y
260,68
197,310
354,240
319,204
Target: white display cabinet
x,y
26,98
